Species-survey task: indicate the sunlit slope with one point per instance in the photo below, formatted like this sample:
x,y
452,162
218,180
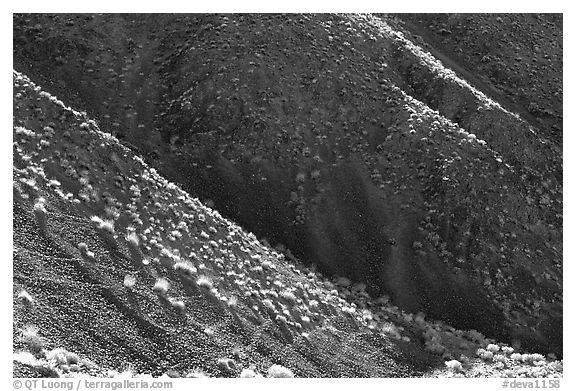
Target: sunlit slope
x,y
128,271
305,129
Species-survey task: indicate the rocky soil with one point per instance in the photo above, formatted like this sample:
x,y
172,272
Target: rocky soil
x,y
338,140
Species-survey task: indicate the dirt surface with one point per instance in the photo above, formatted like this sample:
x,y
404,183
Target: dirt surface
x,y
338,140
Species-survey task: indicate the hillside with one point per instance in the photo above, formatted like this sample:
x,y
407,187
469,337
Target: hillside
x,y
517,57
340,141
251,306
169,287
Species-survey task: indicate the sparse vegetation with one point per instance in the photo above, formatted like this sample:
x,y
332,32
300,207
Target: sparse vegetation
x,y
308,178
226,364
104,225
129,281
26,299
29,336
247,372
186,268
196,373
279,371
454,365
132,238
204,282
62,357
41,214
161,286
179,305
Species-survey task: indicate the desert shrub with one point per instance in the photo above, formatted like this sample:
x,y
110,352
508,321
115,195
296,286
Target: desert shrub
x,y
104,225
289,296
25,298
25,358
30,337
41,214
185,268
196,373
106,230
132,239
232,302
454,365
226,364
204,282
492,348
247,372
279,371
161,286
178,304
62,357
129,281
485,354
83,248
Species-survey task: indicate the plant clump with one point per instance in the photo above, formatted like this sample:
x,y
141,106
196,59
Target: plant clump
x,y
30,337
41,213
204,282
129,281
161,286
25,298
277,370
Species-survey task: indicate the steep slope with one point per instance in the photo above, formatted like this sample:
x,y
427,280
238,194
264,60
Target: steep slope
x,y
95,292
518,56
118,272
305,129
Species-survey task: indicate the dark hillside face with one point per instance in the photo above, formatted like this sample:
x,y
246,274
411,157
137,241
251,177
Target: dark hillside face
x,y
303,129
518,58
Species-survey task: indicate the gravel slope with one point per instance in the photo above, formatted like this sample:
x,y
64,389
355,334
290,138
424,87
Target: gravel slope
x,y
341,142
